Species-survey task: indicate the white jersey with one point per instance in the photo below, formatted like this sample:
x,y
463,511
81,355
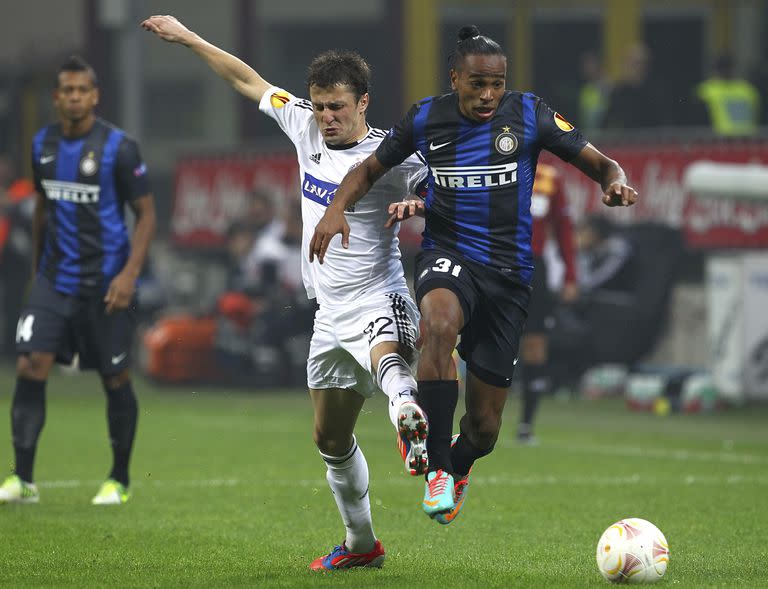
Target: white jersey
x,y
372,262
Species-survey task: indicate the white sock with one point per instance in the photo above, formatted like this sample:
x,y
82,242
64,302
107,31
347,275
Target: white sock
x,y
395,379
348,478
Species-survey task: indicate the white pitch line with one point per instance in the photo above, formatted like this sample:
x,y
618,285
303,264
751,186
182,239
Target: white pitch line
x,y
141,483
492,481
654,453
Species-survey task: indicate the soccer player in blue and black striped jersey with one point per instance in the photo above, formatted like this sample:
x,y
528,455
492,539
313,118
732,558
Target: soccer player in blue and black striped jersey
x,y
473,275
82,299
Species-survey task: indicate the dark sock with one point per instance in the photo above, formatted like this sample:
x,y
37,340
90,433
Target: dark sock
x,y
438,398
122,415
464,453
27,419
536,382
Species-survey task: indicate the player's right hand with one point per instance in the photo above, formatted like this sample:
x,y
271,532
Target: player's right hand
x,y
168,28
333,222
619,195
399,211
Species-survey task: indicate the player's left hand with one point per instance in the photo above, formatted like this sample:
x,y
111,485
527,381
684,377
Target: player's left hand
x,y
399,211
120,292
333,222
619,195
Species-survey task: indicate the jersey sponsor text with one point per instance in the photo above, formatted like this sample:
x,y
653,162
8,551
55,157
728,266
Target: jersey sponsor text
x,y
319,191
71,191
475,176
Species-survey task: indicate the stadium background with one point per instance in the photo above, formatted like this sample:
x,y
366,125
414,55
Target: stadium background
x,y
227,487
207,147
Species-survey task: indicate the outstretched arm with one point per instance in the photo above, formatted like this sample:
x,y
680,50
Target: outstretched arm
x,y
602,169
239,74
355,185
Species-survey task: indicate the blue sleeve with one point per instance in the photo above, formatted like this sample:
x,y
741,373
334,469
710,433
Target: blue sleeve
x,y
398,144
131,172
556,134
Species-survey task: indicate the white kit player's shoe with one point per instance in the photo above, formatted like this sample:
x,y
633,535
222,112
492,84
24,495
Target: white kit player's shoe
x,y
412,432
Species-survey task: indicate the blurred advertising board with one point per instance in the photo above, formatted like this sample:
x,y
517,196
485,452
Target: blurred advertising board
x,y
211,192
656,172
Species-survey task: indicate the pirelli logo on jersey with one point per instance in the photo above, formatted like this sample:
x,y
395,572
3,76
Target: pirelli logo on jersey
x,y
71,191
476,176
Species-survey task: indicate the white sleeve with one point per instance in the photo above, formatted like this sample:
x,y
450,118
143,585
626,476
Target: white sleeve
x,y
294,115
415,172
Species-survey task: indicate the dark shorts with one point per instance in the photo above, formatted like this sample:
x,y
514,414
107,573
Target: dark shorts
x,y
542,299
495,310
66,325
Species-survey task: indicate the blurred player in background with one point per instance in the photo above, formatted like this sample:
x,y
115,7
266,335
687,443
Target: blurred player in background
x,y
473,275
83,298
549,211
366,326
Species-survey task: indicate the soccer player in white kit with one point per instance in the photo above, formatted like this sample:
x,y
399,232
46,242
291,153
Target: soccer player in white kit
x,y
366,326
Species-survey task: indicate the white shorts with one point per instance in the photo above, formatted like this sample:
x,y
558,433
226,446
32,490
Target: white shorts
x,y
340,350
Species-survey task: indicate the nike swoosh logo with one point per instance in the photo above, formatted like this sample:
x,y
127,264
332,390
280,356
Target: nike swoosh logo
x,y
454,512
118,359
47,158
433,147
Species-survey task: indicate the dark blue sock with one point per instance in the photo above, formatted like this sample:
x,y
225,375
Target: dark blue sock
x,y
122,415
27,420
438,398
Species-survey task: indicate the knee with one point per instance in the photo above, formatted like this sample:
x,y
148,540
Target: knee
x,y
32,367
329,444
440,330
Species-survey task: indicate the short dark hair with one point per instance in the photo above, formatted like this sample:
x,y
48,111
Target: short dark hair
x,y
471,42
335,68
75,63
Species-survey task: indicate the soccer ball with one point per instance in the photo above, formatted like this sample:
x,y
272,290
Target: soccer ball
x,y
632,550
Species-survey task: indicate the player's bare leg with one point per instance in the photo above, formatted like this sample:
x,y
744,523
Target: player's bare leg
x,y
480,424
390,361
336,412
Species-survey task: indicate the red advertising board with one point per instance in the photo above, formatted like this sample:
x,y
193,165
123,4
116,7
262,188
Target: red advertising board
x,y
656,172
212,192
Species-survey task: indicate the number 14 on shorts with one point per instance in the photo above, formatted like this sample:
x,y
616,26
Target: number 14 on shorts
x,y
24,328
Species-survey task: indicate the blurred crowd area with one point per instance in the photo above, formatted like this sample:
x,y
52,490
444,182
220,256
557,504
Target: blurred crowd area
x,y
221,299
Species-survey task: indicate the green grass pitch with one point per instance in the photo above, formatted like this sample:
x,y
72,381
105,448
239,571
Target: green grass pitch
x,y
228,491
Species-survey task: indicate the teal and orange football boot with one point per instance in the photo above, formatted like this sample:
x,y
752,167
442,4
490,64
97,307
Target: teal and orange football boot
x,y
460,488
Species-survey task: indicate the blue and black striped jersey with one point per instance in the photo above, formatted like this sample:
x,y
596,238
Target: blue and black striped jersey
x,y
87,181
478,197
